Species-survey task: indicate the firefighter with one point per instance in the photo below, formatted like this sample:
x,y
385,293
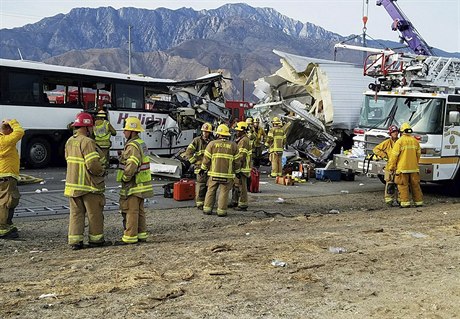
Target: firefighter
x,y
102,132
383,151
250,130
240,188
221,163
194,154
85,184
259,139
403,162
276,138
10,134
136,183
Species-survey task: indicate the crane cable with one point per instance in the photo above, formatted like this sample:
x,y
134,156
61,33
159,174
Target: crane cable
x,y
365,14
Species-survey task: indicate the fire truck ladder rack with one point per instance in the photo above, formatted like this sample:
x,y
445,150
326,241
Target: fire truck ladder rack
x,y
417,72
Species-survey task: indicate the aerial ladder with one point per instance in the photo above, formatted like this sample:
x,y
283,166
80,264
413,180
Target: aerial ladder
x,y
401,23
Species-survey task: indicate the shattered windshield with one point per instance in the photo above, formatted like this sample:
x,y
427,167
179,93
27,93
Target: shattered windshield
x,y
425,115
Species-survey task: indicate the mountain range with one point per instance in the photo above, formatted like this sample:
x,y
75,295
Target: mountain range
x,y
236,39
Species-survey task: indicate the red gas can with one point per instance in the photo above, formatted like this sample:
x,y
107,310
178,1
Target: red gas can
x,y
184,190
255,177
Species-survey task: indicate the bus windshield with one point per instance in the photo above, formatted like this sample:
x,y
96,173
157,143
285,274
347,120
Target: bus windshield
x,y
425,115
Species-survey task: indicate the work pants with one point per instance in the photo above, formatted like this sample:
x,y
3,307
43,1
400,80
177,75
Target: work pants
x,y
9,199
90,204
134,221
240,192
389,198
224,186
256,155
409,183
200,189
277,167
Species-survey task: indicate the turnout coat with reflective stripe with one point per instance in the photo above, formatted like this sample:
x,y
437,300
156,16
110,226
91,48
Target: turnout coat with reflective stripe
x,y
195,152
85,167
9,157
405,155
221,159
276,139
244,154
134,170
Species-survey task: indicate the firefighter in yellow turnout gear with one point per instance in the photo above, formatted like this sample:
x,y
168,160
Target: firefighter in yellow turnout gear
x,y
259,139
136,183
383,151
85,184
11,133
194,154
103,130
276,138
221,162
404,163
240,189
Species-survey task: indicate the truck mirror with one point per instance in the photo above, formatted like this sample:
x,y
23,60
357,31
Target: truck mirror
x,y
454,117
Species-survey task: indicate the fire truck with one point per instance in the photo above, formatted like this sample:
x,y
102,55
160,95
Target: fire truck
x,y
421,90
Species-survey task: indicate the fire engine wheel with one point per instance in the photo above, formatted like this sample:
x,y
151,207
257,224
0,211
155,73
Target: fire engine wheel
x,y
382,178
38,153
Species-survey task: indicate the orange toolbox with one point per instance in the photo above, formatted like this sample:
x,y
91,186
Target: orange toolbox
x,y
184,190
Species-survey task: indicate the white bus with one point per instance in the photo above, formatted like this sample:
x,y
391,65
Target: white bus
x,y
45,99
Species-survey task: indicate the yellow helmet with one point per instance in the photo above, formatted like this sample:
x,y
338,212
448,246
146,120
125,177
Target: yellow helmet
x,y
133,124
223,130
101,114
241,126
206,127
276,120
406,128
249,120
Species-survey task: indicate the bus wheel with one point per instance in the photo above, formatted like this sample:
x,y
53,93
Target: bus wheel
x,y
38,153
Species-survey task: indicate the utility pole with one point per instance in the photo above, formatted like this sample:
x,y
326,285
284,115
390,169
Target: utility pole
x,y
129,48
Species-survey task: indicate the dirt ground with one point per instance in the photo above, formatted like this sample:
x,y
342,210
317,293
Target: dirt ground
x,y
394,263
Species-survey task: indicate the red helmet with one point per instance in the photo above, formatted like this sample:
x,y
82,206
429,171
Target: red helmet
x,y
83,119
393,128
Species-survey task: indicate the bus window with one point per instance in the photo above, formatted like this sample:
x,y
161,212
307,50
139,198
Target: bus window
x,y
129,96
23,88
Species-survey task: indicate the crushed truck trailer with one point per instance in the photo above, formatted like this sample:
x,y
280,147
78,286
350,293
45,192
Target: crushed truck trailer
x,y
320,97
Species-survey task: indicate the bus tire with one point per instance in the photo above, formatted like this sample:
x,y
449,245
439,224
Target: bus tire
x,y
38,154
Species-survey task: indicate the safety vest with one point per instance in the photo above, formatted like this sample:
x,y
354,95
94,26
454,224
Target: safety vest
x,y
102,134
276,138
244,154
85,170
140,185
220,159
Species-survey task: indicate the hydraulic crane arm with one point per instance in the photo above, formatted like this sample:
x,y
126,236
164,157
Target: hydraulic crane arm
x,y
408,32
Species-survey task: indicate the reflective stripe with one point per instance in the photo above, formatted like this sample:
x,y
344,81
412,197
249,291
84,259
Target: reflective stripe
x,y
71,187
75,239
96,238
143,235
129,239
136,189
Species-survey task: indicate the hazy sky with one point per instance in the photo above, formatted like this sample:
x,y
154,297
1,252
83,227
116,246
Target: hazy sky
x,y
438,21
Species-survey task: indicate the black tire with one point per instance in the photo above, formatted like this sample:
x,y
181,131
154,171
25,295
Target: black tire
x,y
38,153
382,179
